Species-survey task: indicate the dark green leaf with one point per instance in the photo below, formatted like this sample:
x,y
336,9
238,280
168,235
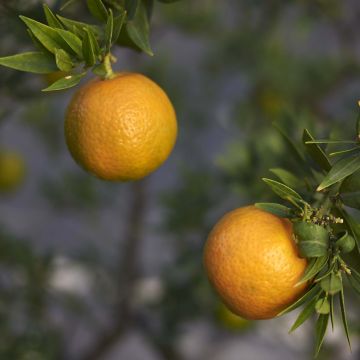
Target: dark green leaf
x,y
288,178
118,23
97,9
109,31
47,36
316,152
308,310
344,317
331,284
276,209
78,27
35,62
63,60
65,83
354,282
320,330
314,267
282,190
89,48
66,3
312,239
131,7
138,29
340,171
311,293
332,317
73,41
51,19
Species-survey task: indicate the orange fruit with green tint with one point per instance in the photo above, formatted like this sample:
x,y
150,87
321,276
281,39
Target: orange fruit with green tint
x,y
122,128
252,261
12,170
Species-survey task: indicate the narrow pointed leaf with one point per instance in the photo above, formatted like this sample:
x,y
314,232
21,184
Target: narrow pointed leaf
x,y
344,317
314,267
340,171
65,83
109,31
47,36
311,293
320,330
346,151
79,27
328,141
63,60
51,19
332,317
97,9
138,29
35,62
88,49
316,152
73,41
118,24
308,310
288,178
276,209
282,190
131,7
66,3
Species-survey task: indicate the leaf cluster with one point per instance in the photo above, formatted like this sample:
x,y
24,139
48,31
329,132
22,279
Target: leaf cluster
x,y
324,231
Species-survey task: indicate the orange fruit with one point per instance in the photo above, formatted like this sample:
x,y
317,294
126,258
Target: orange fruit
x,y
12,170
122,128
252,261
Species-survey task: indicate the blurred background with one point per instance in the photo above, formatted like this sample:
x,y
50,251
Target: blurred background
x,y
95,270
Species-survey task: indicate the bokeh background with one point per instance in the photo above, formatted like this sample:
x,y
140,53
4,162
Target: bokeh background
x,y
95,270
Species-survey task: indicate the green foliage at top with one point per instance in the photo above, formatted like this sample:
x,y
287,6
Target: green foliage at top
x,y
75,47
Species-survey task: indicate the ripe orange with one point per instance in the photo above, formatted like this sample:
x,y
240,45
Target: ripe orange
x,y
122,128
12,170
251,259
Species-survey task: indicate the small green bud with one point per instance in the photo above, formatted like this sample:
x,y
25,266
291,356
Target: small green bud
x,y
332,284
345,242
322,306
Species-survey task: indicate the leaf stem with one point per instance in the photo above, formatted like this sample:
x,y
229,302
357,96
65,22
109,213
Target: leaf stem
x,y
109,73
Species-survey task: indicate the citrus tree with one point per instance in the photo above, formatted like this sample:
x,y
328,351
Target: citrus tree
x,y
318,189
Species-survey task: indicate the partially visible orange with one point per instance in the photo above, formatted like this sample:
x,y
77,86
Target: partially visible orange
x,y
122,128
252,261
12,170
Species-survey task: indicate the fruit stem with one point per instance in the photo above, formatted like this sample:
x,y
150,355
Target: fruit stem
x,y
109,73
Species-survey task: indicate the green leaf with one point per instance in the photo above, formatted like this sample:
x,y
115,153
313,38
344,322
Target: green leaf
x,y
311,293
350,190
288,178
352,225
345,242
63,60
358,124
346,151
89,48
66,82
322,306
340,171
131,7
316,152
276,209
312,239
332,284
282,190
354,280
118,24
51,19
314,267
344,317
47,36
72,40
97,9
332,317
38,44
308,310
328,141
320,330
109,31
298,157
35,62
78,27
66,3
138,29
